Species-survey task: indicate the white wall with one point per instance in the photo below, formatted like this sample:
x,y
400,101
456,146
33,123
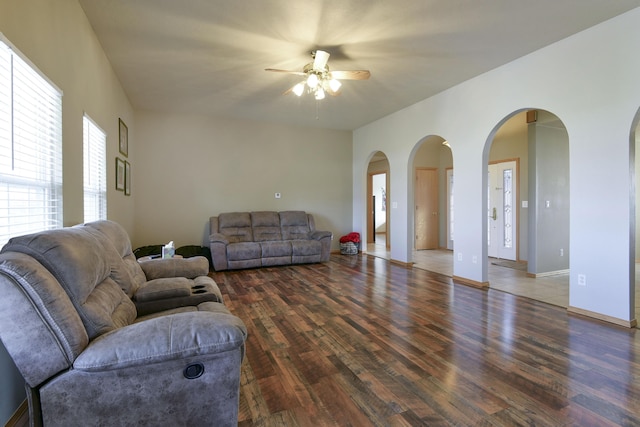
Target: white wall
x,y
191,167
589,81
57,38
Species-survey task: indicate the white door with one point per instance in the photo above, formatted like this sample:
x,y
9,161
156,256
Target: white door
x,y
501,217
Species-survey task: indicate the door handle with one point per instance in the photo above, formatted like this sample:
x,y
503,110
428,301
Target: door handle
x,y
495,214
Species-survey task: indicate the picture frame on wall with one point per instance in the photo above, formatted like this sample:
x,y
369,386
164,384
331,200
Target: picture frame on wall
x,y
120,174
127,178
124,138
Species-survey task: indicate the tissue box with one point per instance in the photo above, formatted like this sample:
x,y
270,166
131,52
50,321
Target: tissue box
x,y
168,251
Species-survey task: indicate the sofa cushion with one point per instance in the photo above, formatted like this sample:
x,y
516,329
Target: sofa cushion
x,y
236,226
294,225
306,251
181,335
275,249
266,226
243,251
305,247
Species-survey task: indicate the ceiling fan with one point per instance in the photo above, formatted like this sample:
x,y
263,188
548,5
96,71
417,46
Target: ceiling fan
x,y
318,79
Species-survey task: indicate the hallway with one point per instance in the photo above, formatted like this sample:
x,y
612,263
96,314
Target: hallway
x,y
551,289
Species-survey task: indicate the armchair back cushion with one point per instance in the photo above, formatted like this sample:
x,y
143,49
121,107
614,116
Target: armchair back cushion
x,y
125,269
76,259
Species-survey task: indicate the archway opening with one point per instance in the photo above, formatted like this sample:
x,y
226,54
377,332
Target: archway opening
x,y
433,212
378,216
527,200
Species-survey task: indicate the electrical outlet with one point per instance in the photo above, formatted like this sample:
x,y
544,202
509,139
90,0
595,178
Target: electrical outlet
x,y
278,195
582,280
459,256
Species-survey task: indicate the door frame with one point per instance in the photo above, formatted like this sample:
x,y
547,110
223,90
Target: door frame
x,y
516,203
370,224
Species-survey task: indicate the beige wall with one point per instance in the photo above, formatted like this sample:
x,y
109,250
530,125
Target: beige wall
x,y
190,167
56,37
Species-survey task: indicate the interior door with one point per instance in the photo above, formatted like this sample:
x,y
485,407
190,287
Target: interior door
x,y
426,212
501,217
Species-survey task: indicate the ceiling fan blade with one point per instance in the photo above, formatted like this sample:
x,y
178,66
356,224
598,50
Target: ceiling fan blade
x,y
275,70
320,60
288,91
351,75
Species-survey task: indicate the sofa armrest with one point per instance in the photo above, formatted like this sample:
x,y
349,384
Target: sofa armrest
x,y
318,235
175,267
218,238
325,238
171,337
218,245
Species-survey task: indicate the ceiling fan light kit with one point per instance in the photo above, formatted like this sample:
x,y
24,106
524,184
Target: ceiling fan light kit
x,y
318,80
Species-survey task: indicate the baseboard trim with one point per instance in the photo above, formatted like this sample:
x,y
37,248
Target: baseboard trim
x,y
548,273
475,284
18,417
610,319
401,263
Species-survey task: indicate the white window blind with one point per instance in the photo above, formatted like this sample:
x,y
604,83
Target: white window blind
x,y
30,147
95,171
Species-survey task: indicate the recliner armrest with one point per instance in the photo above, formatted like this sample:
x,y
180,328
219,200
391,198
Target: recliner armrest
x,y
175,267
318,234
218,238
171,337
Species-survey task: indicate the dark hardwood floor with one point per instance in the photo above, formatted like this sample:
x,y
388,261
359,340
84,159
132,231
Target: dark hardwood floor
x,y
359,341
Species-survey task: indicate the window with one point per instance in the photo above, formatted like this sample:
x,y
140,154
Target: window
x,y
30,147
95,171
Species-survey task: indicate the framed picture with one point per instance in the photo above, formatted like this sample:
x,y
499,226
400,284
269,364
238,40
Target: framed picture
x,y
127,178
124,138
120,171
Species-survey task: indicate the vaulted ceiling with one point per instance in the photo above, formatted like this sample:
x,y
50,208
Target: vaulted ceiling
x,y
208,56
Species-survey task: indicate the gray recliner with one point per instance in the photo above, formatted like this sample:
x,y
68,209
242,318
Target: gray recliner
x,y
158,284
88,358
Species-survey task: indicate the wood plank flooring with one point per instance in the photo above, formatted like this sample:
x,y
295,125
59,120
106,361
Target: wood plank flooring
x,y
359,341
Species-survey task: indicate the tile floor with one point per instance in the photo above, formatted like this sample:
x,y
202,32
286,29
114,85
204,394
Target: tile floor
x,y
551,289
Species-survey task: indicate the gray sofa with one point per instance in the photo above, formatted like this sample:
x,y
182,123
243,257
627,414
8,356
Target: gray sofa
x,y
69,323
266,238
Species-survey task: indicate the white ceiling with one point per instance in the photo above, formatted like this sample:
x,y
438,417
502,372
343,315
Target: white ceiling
x,y
208,56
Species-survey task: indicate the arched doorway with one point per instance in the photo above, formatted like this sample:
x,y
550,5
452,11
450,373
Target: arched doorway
x,y
528,207
432,210
378,230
